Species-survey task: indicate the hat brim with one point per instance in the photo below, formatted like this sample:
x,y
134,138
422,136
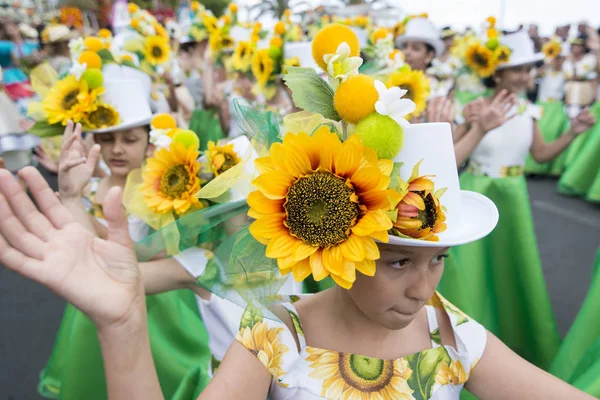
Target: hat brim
x,y
537,57
479,218
124,126
436,43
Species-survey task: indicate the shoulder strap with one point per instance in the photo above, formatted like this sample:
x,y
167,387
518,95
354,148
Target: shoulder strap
x,y
298,331
434,331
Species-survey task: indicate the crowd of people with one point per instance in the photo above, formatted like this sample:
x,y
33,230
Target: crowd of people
x,y
322,208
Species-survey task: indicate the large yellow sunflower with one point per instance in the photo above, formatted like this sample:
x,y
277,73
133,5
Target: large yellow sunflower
x,y
420,214
222,158
262,66
480,59
211,23
171,180
104,116
451,374
552,49
320,204
417,86
349,376
156,50
68,100
266,345
242,57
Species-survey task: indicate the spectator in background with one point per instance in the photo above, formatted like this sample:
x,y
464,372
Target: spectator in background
x,y
534,35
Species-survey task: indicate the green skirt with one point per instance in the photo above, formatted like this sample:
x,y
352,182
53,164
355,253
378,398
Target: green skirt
x,y
582,176
498,280
178,339
578,361
553,123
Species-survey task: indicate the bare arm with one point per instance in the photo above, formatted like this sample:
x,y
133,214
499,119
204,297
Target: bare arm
x,y
240,376
164,275
467,143
544,152
503,375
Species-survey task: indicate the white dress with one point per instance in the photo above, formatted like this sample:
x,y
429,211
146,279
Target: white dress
x,y
437,373
578,88
445,73
502,151
552,86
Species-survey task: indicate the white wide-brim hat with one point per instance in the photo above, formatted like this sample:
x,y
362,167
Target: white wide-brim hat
x,y
522,50
60,33
128,91
469,216
421,29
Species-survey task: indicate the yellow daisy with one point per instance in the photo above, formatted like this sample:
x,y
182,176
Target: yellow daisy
x,y
171,180
266,345
211,23
480,59
262,66
417,86
104,116
242,56
68,100
551,49
222,158
453,374
420,214
321,204
349,376
156,50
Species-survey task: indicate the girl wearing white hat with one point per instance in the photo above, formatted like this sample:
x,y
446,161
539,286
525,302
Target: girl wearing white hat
x,y
506,264
379,219
75,368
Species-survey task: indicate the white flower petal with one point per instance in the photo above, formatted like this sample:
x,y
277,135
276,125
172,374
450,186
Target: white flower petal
x,y
381,108
381,88
400,121
343,50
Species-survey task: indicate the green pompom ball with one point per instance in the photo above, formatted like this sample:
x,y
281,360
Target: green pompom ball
x,y
93,77
187,138
274,52
382,134
493,43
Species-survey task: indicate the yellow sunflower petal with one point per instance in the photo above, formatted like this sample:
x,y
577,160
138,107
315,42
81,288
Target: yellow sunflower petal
x,y
341,282
415,200
274,185
385,166
366,267
261,204
382,236
297,163
366,179
379,199
353,248
268,226
347,161
316,265
371,222
332,260
421,184
281,246
278,154
371,249
303,251
301,270
264,165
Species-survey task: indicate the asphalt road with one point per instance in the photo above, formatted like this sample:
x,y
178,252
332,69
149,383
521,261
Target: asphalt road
x,y
568,232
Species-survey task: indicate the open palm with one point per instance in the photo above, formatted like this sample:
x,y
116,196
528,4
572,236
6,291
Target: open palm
x,y
100,277
77,164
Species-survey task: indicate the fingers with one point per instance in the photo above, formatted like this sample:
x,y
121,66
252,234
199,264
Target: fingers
x,y
67,165
47,202
15,233
2,164
92,158
18,262
114,212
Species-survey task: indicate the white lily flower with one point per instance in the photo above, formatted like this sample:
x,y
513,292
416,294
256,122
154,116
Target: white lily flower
x,y
163,142
76,47
392,104
77,69
340,65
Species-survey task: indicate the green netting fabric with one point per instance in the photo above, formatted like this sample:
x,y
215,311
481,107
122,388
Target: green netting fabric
x,y
261,126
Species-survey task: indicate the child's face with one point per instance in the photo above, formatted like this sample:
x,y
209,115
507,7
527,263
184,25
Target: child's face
x,y
405,279
417,55
515,79
124,151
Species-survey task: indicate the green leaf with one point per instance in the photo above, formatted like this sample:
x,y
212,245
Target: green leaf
x,y
424,368
44,130
296,321
461,317
436,337
439,193
252,316
129,63
310,92
396,182
106,56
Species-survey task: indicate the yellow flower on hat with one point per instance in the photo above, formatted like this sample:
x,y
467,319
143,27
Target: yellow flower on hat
x,y
68,100
91,59
133,8
233,8
210,22
290,62
105,116
328,40
94,44
279,28
379,34
242,56
222,158
276,41
398,29
262,66
170,180
321,204
156,50
195,6
416,85
551,49
105,33
420,214
502,54
480,59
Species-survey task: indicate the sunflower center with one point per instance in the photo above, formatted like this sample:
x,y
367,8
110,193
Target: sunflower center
x,y
224,162
174,181
157,51
102,117
480,59
320,210
365,373
428,216
410,93
70,99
